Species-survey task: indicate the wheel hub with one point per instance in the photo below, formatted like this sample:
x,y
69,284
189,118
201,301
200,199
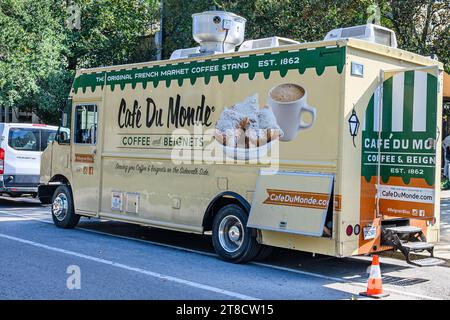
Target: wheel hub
x,y
60,206
231,233
234,233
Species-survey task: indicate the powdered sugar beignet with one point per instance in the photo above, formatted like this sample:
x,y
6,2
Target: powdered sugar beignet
x,y
229,120
267,120
244,125
269,128
248,107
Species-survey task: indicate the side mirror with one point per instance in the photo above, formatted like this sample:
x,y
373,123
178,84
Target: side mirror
x,y
61,137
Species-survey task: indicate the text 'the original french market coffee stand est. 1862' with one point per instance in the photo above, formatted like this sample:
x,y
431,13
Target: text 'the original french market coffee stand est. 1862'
x,y
328,147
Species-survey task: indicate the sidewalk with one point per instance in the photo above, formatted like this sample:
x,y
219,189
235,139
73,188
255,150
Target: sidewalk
x,y
442,249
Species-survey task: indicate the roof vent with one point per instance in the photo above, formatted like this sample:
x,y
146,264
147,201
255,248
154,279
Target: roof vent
x,y
185,53
368,32
266,43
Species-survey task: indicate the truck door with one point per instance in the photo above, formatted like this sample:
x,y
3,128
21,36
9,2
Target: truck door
x,y
85,160
402,119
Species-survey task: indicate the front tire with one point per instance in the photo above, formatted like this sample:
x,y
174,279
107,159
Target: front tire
x,y
63,212
232,240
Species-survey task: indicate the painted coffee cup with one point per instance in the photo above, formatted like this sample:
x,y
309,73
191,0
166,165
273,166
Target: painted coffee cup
x,y
288,102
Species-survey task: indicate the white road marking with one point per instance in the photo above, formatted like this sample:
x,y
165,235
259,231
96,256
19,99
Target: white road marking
x,y
317,275
130,268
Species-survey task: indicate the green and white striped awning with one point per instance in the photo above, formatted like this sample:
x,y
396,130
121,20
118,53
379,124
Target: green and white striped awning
x,y
409,102
401,121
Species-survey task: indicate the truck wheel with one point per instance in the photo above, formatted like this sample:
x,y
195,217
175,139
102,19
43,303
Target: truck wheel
x,y
63,212
264,253
232,240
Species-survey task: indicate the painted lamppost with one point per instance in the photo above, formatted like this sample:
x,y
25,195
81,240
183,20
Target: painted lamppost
x,y
353,122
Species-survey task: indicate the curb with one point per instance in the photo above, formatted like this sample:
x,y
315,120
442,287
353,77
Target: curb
x,y
398,255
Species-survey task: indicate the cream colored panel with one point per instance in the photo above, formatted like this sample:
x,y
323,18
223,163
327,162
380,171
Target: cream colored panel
x,y
292,202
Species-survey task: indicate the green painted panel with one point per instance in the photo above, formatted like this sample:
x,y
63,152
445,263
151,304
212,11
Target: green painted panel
x,y
407,154
282,62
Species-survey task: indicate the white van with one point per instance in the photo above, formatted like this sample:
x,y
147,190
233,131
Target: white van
x,y
21,146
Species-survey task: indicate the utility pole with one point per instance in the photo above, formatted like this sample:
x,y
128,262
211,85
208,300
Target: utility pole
x,y
159,34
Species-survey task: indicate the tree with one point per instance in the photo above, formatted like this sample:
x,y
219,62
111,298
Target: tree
x,y
39,53
421,26
302,20
30,43
111,32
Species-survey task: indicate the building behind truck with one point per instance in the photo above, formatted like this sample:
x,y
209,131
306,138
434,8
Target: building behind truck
x,y
17,115
329,147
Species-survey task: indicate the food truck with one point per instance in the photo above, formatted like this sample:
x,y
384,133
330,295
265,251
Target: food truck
x,y
329,147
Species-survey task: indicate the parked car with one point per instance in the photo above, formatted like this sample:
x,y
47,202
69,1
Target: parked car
x,y
21,146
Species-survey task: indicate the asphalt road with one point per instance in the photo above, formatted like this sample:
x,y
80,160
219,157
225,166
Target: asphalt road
x,y
110,260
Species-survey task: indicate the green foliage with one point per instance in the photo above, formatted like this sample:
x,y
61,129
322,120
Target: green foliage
x,y
445,184
302,20
39,53
30,42
111,32
422,26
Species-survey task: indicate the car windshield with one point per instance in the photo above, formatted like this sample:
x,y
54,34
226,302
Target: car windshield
x,y
47,137
30,139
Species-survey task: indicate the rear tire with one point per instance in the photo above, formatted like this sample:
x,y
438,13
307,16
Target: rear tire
x,y
232,240
264,253
63,212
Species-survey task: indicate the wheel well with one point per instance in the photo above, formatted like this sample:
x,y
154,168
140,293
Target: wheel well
x,y
47,190
220,201
60,178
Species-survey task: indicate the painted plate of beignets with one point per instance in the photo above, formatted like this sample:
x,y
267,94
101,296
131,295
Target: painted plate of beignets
x,y
244,128
248,107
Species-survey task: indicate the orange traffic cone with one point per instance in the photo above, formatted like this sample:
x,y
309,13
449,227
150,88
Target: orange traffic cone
x,y
375,285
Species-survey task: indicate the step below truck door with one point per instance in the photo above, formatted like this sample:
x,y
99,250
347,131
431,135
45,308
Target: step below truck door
x,y
291,202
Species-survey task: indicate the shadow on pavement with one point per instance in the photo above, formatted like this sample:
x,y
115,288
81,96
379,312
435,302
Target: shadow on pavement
x,y
8,202
352,269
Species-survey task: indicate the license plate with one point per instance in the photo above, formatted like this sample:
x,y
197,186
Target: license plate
x,y
369,232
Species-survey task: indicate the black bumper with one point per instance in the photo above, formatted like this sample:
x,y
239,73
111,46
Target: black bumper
x,y
19,183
